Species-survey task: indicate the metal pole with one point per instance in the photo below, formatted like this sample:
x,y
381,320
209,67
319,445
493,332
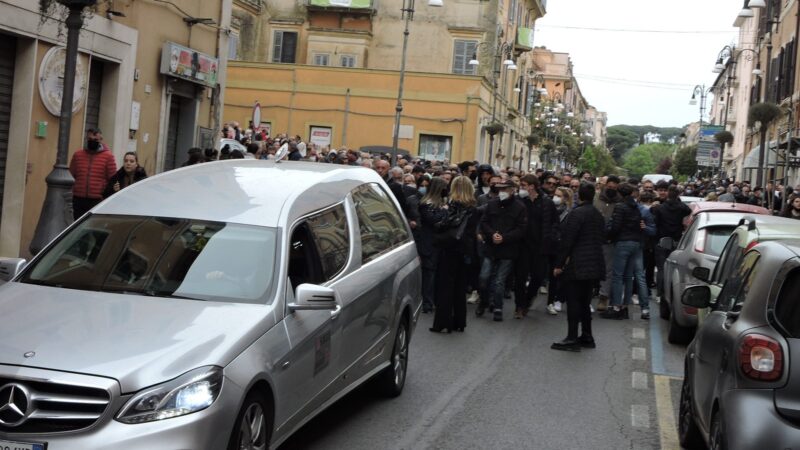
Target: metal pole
x,y
56,212
346,116
408,13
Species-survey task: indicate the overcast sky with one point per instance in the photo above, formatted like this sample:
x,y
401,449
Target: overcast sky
x,y
640,78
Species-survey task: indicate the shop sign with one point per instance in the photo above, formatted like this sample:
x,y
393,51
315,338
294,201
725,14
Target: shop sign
x,y
321,136
190,65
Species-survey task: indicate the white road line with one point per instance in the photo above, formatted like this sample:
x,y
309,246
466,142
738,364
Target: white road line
x,y
640,416
639,380
638,353
638,333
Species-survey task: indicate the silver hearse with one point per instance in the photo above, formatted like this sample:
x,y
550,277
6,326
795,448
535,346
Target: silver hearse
x,y
217,306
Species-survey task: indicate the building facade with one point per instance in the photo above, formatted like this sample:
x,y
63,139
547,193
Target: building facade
x,y
148,76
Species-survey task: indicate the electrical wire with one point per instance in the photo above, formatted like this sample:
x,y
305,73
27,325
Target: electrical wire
x,y
626,80
630,30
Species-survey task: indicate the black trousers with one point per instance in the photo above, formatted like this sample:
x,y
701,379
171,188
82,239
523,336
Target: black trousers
x,y
529,266
80,205
451,303
579,297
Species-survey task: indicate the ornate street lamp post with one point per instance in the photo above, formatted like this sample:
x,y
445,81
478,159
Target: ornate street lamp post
x,y
408,16
56,212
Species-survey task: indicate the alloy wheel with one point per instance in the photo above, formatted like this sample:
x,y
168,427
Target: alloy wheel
x,y
253,430
400,360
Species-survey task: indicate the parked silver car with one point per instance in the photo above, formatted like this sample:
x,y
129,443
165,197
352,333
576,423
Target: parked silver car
x,y
700,246
218,306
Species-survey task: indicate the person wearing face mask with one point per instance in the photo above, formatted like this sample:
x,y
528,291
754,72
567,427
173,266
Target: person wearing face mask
x,y
130,173
605,201
539,251
502,227
493,191
91,167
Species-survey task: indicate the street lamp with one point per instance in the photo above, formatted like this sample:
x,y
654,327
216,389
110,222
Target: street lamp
x,y
56,212
703,92
408,16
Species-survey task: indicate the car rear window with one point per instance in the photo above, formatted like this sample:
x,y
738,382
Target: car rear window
x,y
787,309
716,238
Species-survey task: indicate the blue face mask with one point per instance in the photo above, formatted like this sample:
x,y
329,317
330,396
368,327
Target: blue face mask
x,y
423,190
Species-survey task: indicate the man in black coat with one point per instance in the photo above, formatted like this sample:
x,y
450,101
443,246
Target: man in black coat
x,y
669,223
538,254
581,265
502,227
382,167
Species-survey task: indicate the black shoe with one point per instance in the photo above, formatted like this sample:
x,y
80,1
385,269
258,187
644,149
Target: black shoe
x,y
480,310
439,330
498,315
623,313
567,345
587,342
611,313
646,316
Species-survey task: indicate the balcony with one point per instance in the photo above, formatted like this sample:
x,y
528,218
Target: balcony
x,y
349,6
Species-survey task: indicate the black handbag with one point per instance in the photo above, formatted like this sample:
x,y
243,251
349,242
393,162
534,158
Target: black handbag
x,y
451,229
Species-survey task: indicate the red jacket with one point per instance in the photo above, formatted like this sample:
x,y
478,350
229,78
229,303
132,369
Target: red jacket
x,y
92,171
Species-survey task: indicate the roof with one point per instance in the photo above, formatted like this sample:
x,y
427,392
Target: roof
x,y
720,218
792,245
245,191
698,207
776,226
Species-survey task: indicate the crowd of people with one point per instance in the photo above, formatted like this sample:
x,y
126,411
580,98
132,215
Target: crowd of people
x,y
486,234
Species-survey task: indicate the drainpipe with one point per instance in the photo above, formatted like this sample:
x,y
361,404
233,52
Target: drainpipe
x,y
291,102
346,115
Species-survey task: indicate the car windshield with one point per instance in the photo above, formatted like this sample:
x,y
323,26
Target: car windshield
x,y
716,238
163,257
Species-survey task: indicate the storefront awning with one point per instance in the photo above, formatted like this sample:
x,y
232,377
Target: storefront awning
x,y
795,144
751,160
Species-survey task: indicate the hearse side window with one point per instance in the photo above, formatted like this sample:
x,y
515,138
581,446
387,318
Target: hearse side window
x,y
787,309
331,239
380,224
304,266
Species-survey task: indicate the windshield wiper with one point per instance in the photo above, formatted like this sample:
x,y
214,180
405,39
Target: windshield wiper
x,y
152,293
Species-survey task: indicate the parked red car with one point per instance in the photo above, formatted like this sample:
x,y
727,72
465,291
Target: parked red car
x,y
699,207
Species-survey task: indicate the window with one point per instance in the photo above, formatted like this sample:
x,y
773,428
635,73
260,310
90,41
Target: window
x,y
233,45
688,237
380,224
463,51
304,261
332,240
284,46
321,59
435,148
729,258
347,61
787,310
735,290
716,238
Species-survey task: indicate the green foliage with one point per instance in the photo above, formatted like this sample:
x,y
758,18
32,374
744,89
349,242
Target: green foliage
x,y
685,163
620,141
597,161
724,137
764,113
647,158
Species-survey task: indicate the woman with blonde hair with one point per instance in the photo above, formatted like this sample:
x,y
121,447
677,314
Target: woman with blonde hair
x,y
455,238
431,212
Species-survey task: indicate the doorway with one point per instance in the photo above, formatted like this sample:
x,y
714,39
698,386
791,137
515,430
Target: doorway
x,y
181,124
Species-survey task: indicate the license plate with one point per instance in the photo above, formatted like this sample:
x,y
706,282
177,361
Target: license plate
x,y
9,445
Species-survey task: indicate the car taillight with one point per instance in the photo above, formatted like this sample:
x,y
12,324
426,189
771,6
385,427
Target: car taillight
x,y
700,242
751,245
760,357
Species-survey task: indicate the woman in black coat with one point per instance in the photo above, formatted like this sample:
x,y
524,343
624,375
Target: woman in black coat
x,y
455,239
581,266
431,212
129,173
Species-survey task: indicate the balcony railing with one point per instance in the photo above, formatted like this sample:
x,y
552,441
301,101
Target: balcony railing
x,y
342,5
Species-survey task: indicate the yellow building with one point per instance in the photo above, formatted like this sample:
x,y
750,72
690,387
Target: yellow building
x,y
129,85
333,65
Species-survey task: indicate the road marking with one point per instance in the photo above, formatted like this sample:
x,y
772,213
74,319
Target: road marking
x,y
639,380
640,416
657,350
668,431
638,333
638,353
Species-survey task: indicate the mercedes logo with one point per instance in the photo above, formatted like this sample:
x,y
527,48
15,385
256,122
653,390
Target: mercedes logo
x,y
14,404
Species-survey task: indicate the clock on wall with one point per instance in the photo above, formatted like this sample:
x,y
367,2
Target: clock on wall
x,y
51,81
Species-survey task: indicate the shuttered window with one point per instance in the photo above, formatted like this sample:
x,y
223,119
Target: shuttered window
x,y
284,46
463,51
8,46
94,94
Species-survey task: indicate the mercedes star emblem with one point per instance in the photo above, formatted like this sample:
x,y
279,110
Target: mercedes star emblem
x,y
29,354
14,404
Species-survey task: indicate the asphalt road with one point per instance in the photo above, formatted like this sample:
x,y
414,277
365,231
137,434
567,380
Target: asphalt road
x,y
500,386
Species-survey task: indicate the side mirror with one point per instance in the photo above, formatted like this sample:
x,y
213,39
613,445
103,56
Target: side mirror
x,y
667,243
10,267
697,296
702,273
311,297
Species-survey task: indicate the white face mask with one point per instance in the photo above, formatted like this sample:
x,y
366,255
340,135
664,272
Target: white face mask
x,y
523,193
557,200
503,195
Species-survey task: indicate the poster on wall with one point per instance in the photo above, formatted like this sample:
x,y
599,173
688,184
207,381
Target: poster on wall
x,y
435,148
321,136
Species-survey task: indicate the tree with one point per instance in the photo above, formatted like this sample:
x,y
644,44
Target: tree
x,y
685,163
597,161
648,158
664,166
620,141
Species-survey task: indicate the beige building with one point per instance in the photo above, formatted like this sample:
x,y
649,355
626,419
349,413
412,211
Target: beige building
x,y
149,74
364,38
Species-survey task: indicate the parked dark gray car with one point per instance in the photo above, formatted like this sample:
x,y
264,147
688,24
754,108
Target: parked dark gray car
x,y
739,391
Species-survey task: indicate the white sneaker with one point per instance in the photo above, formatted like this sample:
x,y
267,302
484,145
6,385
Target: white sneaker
x,y
635,299
591,308
473,297
557,305
543,290
551,310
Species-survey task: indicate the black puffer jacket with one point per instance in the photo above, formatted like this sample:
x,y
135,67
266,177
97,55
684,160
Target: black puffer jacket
x,y
581,249
669,218
509,218
541,235
626,222
124,181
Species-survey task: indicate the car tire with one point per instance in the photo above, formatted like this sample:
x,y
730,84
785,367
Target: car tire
x,y
390,382
716,437
688,431
253,426
677,334
663,308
